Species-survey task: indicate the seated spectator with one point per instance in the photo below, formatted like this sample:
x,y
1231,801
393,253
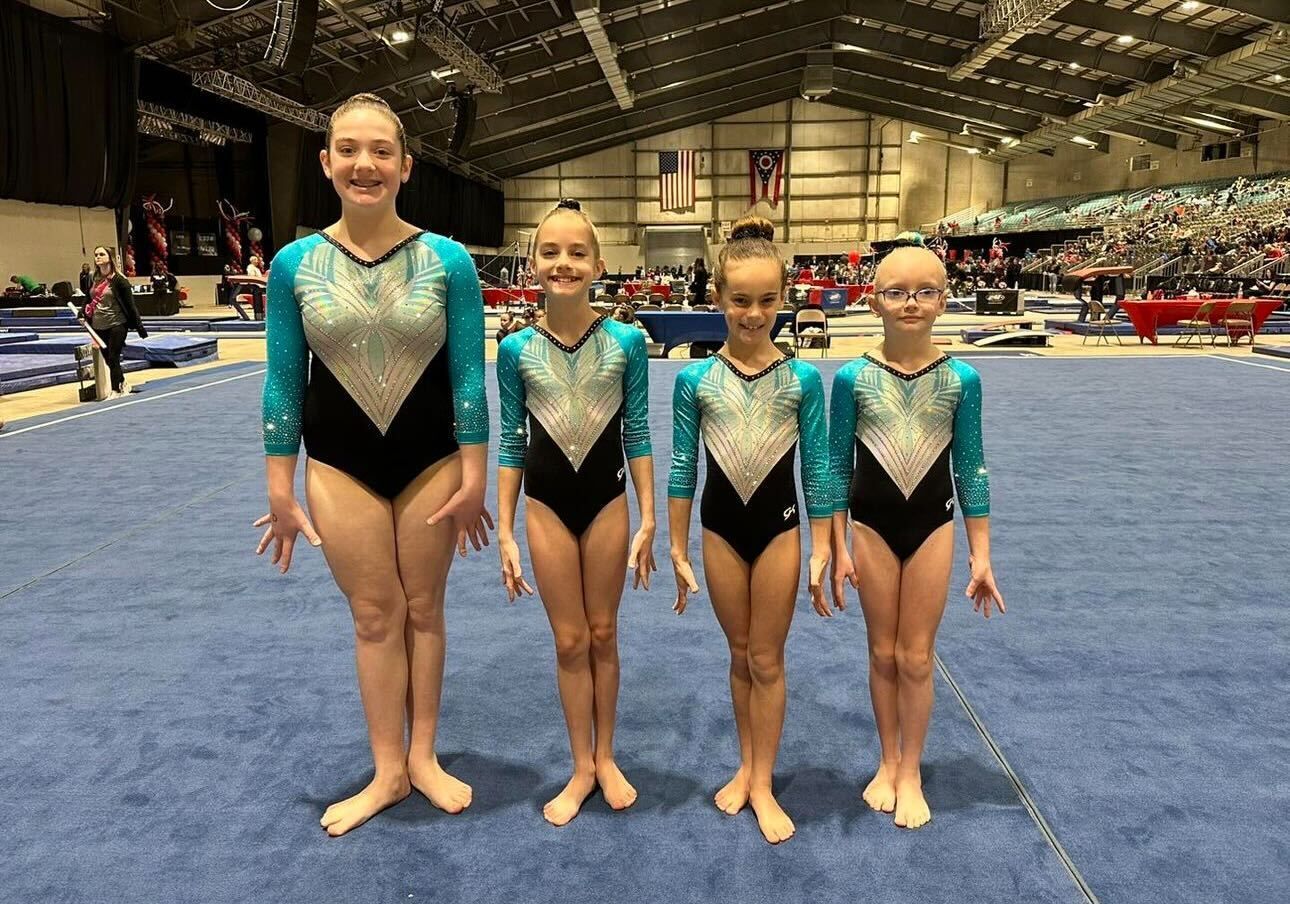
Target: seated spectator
x,y
25,284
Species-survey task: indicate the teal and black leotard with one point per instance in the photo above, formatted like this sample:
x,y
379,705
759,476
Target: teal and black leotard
x,y
586,404
379,365
751,427
894,439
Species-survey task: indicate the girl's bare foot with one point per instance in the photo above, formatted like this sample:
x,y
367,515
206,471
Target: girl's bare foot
x,y
352,812
618,792
912,811
445,791
880,794
771,819
560,809
734,796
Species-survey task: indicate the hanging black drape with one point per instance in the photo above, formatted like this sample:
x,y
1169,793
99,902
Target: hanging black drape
x,y
434,198
67,102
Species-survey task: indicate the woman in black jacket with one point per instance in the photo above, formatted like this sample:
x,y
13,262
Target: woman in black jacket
x,y
112,313
699,283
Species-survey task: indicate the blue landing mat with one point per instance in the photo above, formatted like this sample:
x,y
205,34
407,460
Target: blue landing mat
x,y
56,378
1125,328
1278,351
10,338
39,322
15,367
165,349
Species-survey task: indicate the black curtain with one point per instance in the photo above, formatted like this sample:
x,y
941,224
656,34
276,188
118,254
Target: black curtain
x,y
435,198
67,101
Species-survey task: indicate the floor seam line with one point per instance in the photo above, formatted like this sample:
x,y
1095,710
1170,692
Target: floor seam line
x,y
126,536
1022,792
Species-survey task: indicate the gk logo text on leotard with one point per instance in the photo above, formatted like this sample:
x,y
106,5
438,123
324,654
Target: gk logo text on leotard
x,y
790,511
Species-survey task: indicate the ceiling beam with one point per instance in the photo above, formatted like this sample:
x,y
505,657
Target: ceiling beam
x,y
1196,41
1251,100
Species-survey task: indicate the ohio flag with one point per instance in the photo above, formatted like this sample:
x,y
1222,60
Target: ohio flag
x,y
765,168
676,180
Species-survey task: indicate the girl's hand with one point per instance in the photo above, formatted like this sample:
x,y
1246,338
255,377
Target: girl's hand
x,y
844,572
466,509
284,520
685,582
512,570
817,568
982,589
642,556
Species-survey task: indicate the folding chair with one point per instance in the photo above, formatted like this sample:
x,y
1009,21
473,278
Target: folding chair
x,y
1099,325
1238,320
813,317
1198,325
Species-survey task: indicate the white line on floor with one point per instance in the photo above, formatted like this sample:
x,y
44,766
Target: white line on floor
x,y
150,398
1249,363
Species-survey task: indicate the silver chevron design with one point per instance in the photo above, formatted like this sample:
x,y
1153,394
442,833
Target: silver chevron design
x,y
376,328
574,395
906,424
748,425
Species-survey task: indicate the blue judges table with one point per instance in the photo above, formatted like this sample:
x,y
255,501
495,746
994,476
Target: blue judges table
x,y
673,328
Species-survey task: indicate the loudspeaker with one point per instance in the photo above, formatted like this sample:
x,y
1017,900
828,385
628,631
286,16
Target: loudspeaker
x,y
463,126
292,40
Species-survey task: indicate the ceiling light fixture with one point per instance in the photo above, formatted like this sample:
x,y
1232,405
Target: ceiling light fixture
x,y
1125,39
1073,65
400,37
1191,6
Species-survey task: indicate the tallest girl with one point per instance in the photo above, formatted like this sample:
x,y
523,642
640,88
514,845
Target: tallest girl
x,y
376,358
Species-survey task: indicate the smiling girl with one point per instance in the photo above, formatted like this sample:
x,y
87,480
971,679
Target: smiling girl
x,y
376,357
582,381
753,407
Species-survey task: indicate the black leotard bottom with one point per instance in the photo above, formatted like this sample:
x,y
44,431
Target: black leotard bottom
x,y
750,528
878,503
339,433
576,497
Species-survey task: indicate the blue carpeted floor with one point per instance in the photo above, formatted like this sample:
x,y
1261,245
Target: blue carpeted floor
x,y
177,715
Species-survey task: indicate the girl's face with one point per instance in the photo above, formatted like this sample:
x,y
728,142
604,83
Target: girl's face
x,y
101,258
364,162
909,293
751,297
564,260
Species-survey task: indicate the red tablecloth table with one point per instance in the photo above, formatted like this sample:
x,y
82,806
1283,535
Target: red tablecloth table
x,y
494,297
1148,316
631,288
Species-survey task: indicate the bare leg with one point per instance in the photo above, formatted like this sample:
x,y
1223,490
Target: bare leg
x,y
925,581
557,567
357,530
727,578
772,593
603,549
878,571
425,555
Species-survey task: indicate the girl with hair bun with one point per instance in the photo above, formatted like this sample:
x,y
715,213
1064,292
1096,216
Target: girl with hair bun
x,y
376,358
574,392
753,407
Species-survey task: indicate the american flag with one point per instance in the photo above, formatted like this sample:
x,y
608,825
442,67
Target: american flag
x,y
675,180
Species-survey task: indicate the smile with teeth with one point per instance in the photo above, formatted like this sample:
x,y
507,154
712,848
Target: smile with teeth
x,y
565,279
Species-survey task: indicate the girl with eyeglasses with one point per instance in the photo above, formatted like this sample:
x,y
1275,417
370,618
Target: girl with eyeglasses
x,y
904,418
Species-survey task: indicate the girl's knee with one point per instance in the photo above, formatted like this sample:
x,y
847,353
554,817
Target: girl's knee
x,y
377,620
766,664
604,637
571,648
882,658
739,659
425,612
914,663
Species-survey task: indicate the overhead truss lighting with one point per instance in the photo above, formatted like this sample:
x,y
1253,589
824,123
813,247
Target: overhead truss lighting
x,y
474,69
1002,23
239,90
155,119
284,26
588,15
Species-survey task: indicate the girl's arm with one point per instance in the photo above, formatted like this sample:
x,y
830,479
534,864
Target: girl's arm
x,y
681,481
512,448
842,432
640,461
972,483
817,483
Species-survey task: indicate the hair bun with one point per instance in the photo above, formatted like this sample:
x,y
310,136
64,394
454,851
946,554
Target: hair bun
x,y
569,204
909,239
753,228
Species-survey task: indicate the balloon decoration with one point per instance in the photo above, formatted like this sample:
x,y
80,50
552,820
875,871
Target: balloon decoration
x,y
233,222
155,214
256,235
853,258
129,248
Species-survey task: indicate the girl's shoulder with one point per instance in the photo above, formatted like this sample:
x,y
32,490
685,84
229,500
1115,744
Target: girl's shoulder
x,y
449,250
807,374
290,254
628,335
514,342
966,372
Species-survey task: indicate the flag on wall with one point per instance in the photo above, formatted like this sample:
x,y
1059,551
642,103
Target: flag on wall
x,y
766,168
676,180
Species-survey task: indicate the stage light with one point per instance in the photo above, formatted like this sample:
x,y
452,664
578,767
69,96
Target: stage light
x,y
1191,6
400,37
1125,39
1073,65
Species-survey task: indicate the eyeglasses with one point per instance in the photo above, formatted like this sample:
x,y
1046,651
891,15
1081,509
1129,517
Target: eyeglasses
x,y
922,296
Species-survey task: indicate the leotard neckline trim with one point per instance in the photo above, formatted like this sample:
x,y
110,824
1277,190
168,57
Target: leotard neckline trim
x,y
570,349
380,260
748,378
900,373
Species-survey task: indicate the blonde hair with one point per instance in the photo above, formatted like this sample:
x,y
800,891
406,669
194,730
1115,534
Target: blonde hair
x,y
751,238
368,102
568,205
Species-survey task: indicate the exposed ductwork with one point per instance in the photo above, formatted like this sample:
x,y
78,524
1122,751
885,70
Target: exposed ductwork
x,y
1003,22
588,15
1238,67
